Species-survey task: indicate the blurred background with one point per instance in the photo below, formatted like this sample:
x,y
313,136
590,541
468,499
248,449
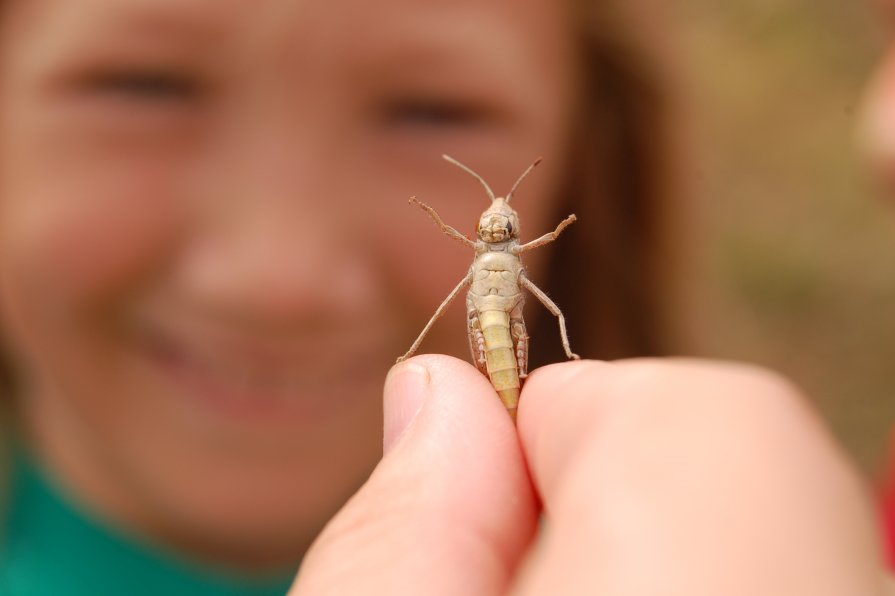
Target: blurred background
x,y
796,238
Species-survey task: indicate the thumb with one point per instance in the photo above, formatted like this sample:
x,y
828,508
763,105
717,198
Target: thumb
x,y
449,509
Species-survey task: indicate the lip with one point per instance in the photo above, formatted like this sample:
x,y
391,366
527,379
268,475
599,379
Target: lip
x,y
254,381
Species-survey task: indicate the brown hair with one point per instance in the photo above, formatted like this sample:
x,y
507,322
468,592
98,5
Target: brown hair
x,y
7,384
611,276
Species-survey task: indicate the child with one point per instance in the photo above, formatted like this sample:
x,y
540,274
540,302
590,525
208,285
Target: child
x,y
208,260
207,264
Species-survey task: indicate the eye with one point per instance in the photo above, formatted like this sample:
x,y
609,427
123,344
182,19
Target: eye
x,y
434,113
153,85
509,227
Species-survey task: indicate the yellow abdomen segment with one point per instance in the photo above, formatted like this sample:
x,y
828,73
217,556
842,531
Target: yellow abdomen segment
x,y
501,357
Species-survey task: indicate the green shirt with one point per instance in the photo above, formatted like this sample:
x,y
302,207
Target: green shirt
x,y
51,548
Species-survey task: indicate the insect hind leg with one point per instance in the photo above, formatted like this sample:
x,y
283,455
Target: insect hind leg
x,y
554,310
520,340
476,339
438,312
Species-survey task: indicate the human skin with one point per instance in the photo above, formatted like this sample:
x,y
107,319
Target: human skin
x,y
207,260
877,128
878,114
673,477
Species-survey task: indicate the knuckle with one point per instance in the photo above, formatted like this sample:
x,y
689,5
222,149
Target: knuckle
x,y
753,386
720,391
684,372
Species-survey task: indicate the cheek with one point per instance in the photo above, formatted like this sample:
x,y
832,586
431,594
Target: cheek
x,y
82,243
84,212
75,241
419,263
422,262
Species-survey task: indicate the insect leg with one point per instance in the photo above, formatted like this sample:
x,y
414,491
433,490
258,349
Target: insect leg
x,y
438,312
450,231
476,337
520,337
549,236
551,306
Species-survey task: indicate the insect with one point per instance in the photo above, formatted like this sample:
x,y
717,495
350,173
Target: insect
x,y
497,337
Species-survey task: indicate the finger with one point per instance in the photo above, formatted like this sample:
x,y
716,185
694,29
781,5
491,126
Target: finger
x,y
449,509
689,478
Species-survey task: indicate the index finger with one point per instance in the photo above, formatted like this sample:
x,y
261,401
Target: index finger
x,y
687,477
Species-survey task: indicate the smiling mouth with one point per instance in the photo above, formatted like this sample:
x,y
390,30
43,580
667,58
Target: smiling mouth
x,y
239,376
247,382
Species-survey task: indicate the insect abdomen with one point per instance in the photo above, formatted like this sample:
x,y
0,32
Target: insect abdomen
x,y
500,356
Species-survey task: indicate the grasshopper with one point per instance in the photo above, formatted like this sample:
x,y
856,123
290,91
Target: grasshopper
x,y
497,337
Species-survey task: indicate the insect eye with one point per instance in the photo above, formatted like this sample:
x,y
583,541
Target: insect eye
x,y
509,227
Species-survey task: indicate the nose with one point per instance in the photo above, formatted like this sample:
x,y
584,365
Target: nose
x,y
272,243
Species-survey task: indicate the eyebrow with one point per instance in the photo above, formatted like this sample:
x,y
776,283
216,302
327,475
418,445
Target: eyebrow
x,y
140,25
448,51
160,17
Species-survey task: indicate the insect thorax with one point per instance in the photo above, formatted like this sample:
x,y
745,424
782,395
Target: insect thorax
x,y
496,273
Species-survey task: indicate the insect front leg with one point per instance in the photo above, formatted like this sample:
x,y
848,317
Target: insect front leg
x,y
449,230
438,312
549,236
551,306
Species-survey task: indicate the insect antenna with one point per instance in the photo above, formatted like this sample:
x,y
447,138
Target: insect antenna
x,y
479,178
524,174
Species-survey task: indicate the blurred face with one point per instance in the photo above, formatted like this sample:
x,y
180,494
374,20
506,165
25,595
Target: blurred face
x,y
878,122
207,260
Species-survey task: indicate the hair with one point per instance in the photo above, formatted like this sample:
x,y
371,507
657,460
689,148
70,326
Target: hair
x,y
7,384
611,276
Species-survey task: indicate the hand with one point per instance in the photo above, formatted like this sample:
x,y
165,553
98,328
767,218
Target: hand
x,y
656,477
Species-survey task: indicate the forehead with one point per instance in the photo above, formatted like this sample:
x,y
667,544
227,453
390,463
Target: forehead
x,y
495,26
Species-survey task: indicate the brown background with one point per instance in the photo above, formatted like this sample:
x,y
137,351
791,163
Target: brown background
x,y
795,241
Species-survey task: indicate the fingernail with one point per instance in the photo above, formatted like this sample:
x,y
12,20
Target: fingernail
x,y
406,387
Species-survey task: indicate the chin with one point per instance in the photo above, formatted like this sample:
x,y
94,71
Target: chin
x,y
211,481
263,485
269,509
